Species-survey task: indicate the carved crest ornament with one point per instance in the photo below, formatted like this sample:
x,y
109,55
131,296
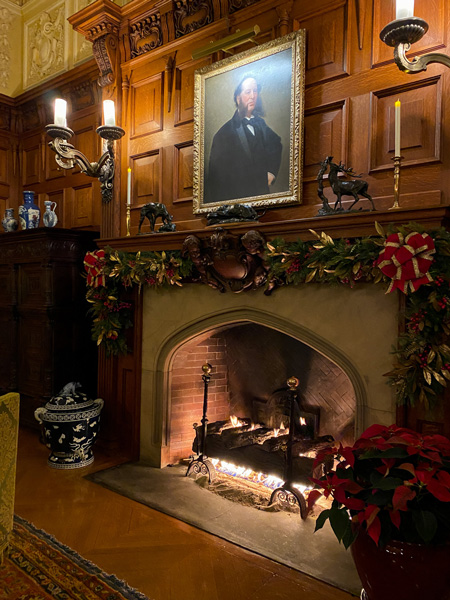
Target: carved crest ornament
x,y
228,262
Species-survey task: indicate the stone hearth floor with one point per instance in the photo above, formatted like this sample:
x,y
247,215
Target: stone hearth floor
x,y
280,536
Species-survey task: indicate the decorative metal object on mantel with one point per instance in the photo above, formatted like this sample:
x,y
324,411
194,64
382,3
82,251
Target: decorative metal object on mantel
x,y
340,187
233,213
202,465
70,422
228,262
153,211
404,31
67,156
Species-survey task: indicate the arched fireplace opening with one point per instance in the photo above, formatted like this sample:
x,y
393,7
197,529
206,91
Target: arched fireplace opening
x,y
251,364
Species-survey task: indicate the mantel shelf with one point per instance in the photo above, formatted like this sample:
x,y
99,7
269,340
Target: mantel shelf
x,y
337,226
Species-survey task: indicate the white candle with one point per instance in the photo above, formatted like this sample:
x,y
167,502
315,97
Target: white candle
x,y
404,8
60,112
129,187
397,129
109,114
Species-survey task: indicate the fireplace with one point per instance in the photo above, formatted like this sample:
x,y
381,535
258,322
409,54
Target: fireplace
x,y
337,341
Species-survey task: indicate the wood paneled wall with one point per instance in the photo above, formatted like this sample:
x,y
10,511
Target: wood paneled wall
x,y
144,55
351,86
27,162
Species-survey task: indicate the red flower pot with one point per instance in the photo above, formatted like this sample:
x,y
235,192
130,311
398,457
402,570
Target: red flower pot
x,y
402,571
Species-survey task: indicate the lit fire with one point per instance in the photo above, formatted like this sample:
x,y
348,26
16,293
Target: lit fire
x,y
235,421
270,481
302,421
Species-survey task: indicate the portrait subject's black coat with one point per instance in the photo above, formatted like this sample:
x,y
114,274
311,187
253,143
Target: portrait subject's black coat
x,y
239,161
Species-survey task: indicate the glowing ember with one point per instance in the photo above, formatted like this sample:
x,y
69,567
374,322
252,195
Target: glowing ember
x,y
270,481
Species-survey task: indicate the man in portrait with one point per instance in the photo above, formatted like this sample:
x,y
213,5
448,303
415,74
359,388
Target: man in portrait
x,y
245,153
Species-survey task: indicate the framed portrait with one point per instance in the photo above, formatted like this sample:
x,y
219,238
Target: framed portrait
x,y
248,127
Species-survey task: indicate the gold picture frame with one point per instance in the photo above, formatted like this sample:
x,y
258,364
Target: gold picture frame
x,y
231,165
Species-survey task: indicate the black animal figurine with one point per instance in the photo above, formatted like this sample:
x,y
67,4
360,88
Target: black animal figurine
x,y
154,210
355,187
233,213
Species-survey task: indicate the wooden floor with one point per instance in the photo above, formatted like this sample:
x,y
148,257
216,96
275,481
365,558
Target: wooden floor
x,y
162,557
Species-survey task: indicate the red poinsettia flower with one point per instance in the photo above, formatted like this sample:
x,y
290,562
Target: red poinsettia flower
x,y
387,473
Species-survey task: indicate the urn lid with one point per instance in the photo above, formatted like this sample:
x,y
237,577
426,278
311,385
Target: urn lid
x,y
69,402
68,399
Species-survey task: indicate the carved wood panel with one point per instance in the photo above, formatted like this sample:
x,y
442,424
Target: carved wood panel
x,y
326,48
4,163
183,169
35,345
31,286
190,15
420,123
86,141
147,104
147,178
433,11
31,163
184,92
325,130
83,206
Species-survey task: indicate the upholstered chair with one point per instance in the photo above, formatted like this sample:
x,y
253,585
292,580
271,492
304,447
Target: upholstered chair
x,y
9,429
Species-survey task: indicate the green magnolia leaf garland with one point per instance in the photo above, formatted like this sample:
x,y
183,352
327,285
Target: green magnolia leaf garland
x,y
422,358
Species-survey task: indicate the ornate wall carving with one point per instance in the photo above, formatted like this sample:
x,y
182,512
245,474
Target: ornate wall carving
x,y
5,46
45,45
190,15
146,35
234,5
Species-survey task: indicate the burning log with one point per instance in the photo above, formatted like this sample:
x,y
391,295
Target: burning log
x,y
219,426
236,438
304,446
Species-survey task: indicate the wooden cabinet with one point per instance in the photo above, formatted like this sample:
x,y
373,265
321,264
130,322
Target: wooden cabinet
x,y
45,335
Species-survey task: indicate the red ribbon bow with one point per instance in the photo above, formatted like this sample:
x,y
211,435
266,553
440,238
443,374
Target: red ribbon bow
x,y
94,263
407,260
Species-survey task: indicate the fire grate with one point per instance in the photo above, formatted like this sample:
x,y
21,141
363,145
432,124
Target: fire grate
x,y
287,454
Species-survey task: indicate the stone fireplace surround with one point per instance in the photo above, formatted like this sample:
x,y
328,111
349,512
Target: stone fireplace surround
x,y
354,328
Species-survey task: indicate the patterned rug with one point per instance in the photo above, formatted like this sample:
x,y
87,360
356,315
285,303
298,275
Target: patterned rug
x,y
38,567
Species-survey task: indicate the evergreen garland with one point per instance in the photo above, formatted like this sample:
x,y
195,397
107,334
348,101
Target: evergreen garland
x,y
422,357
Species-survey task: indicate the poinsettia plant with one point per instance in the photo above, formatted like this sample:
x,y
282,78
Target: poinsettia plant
x,y
393,482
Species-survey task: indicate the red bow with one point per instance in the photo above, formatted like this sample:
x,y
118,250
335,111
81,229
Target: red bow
x,y
94,264
407,260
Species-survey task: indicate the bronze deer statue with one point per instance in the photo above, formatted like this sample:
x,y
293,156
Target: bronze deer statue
x,y
354,187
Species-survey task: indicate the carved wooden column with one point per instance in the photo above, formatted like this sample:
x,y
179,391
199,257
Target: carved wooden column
x,y
100,23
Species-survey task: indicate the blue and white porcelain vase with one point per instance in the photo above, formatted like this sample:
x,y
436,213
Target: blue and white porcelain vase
x,y
29,212
70,423
9,222
49,217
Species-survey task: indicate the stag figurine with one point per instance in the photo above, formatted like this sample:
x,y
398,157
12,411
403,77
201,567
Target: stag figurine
x,y
354,187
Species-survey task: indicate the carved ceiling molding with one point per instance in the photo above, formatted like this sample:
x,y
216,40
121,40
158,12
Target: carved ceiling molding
x,y
146,35
105,52
190,15
235,5
99,23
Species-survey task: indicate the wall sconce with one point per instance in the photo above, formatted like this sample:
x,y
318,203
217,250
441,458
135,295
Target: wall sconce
x,y
404,31
67,156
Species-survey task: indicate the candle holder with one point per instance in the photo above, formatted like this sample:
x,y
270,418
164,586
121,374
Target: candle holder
x,y
67,156
397,162
400,34
128,219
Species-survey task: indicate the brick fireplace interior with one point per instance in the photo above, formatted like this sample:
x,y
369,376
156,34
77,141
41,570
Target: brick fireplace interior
x,y
336,341
251,364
